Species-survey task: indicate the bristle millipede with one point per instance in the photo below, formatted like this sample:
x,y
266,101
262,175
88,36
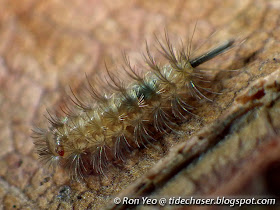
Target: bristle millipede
x,y
106,127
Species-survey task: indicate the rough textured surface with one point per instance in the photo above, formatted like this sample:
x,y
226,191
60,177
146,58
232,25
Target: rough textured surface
x,y
248,135
48,45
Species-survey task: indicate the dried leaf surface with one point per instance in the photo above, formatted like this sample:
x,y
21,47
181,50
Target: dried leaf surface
x,y
48,45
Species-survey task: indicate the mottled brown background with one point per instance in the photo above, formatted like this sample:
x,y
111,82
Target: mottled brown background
x,y
48,45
